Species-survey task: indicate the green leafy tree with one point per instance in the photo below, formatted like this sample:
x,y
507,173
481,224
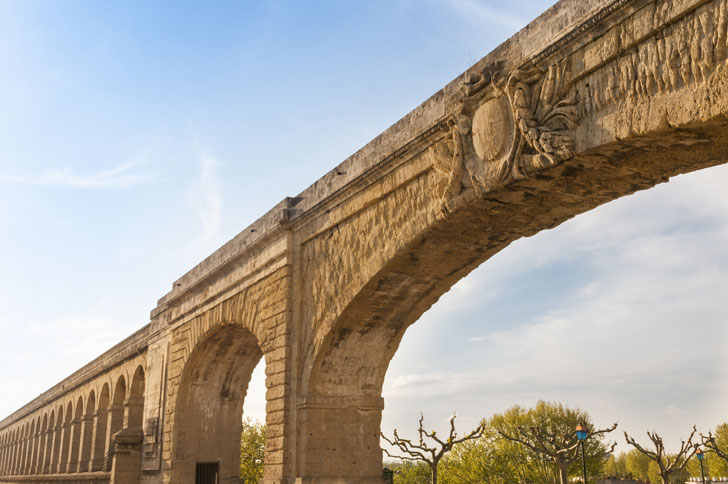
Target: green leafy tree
x,y
422,451
637,464
616,467
411,473
678,477
669,467
548,429
252,451
495,460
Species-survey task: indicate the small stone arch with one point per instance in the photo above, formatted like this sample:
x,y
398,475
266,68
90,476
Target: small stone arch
x,y
75,436
136,400
4,454
21,448
33,444
6,451
39,458
13,450
65,438
11,456
50,437
18,449
100,435
116,411
24,448
87,429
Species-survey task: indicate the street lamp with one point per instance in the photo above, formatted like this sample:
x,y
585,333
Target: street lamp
x,y
700,454
581,434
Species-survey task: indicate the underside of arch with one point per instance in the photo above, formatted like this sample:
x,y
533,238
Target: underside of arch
x,y
209,407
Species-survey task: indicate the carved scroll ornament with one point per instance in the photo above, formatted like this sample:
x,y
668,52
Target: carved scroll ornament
x,y
523,124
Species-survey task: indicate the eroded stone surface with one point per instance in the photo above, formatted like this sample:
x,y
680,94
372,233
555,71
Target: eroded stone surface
x,y
592,101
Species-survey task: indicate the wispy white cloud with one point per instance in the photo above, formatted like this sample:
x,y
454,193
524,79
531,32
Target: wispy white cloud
x,y
205,196
121,176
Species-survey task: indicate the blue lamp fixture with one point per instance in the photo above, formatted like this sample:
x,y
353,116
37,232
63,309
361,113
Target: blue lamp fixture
x,y
581,434
700,454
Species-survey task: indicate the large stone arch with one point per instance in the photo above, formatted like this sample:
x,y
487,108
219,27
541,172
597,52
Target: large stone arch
x,y
209,403
247,324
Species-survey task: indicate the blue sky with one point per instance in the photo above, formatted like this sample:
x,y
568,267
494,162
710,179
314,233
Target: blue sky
x,y
137,137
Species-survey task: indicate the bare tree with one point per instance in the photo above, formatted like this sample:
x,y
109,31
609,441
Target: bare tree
x,y
710,443
558,446
668,464
431,455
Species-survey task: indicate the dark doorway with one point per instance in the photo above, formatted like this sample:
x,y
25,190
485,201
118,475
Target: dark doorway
x,y
207,473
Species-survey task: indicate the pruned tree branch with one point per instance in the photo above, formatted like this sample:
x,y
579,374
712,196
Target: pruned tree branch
x,y
556,446
431,455
668,464
710,443
548,443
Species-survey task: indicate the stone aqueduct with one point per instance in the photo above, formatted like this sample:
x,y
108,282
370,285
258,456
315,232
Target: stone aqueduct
x,y
592,101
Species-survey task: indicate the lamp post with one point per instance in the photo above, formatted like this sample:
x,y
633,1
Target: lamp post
x,y
581,434
700,454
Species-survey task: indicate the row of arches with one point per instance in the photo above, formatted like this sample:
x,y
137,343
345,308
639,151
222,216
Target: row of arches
x,y
76,436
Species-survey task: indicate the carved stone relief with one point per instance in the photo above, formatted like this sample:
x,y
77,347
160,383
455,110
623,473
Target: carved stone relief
x,y
513,124
508,128
679,53
493,128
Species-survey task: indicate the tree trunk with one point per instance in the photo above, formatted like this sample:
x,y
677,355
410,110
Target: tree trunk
x,y
563,472
434,473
